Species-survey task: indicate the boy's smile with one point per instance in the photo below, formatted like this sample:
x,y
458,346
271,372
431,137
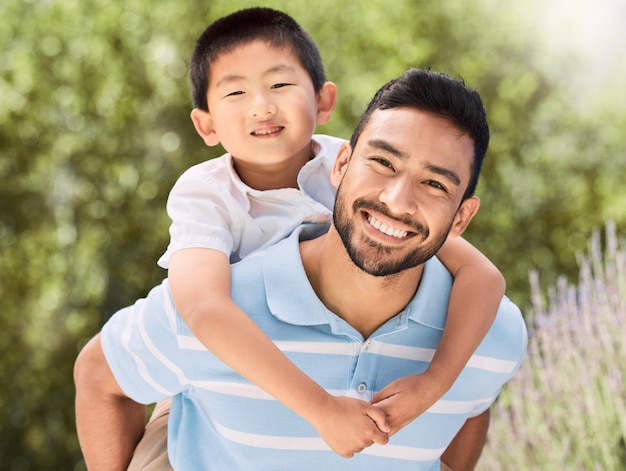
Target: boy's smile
x,y
265,131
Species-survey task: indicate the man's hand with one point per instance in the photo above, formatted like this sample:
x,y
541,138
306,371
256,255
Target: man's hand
x,y
348,426
109,424
405,399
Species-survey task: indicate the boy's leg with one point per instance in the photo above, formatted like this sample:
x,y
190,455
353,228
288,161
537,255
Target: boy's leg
x,y
151,452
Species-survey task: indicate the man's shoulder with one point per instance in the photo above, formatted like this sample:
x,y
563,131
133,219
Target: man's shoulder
x,y
255,278
282,254
508,336
510,315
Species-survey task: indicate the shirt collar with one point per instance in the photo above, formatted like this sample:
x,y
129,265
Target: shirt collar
x,y
429,307
291,298
318,167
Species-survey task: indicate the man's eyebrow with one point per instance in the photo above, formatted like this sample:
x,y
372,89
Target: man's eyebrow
x,y
381,144
387,147
445,172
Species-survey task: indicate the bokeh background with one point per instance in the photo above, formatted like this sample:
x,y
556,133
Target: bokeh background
x,y
95,129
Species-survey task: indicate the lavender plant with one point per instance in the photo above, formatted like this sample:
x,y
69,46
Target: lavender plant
x,y
566,407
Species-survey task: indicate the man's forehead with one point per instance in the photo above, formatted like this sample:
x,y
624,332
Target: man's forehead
x,y
409,117
405,132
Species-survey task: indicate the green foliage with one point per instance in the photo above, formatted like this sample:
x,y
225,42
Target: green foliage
x,y
94,130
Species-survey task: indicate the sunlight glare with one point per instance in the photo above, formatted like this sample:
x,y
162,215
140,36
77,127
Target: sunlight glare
x,y
592,29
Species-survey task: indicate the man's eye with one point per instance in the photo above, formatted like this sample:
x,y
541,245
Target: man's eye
x,y
436,184
383,162
280,85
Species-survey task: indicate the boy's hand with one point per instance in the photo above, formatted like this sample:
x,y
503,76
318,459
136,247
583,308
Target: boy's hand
x,y
405,399
350,425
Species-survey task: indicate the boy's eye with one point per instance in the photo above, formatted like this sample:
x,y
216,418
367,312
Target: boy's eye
x,y
280,85
238,92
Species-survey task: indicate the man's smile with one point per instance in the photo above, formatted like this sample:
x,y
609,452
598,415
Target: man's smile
x,y
390,231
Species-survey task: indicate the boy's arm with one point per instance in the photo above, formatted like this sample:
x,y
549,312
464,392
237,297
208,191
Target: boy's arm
x,y
476,293
200,285
109,424
463,452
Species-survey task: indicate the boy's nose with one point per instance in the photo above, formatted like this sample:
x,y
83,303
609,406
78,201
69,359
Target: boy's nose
x,y
262,107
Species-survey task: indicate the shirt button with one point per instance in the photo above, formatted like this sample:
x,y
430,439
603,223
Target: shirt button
x,y
361,388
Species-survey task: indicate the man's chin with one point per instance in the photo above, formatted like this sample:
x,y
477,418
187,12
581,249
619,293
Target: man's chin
x,y
371,264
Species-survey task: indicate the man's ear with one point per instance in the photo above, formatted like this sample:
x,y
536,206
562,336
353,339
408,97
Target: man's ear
x,y
203,123
326,100
341,164
464,215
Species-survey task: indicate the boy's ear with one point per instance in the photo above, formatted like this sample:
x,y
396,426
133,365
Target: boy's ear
x,y
341,164
326,100
464,215
203,123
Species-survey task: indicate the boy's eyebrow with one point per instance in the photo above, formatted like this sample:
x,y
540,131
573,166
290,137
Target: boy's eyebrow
x,y
387,147
234,77
279,68
228,78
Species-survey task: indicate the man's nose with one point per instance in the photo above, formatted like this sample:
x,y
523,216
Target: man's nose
x,y
262,106
400,196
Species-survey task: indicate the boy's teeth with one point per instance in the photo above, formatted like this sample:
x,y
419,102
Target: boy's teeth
x,y
267,131
386,230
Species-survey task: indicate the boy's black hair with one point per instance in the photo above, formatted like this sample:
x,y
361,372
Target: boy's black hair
x,y
443,96
243,27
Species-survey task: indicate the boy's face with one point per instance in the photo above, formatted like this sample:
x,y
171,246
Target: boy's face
x,y
401,190
262,105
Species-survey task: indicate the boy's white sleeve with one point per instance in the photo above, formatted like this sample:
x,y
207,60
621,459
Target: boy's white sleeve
x,y
200,207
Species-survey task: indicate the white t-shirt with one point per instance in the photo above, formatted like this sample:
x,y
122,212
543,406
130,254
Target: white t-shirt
x,y
211,207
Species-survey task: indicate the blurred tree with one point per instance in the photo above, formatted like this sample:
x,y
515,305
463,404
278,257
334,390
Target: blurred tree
x,y
94,107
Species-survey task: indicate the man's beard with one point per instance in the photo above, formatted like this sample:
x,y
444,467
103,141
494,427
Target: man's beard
x,y
381,261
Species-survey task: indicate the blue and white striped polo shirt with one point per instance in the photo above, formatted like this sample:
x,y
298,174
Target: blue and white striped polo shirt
x,y
220,421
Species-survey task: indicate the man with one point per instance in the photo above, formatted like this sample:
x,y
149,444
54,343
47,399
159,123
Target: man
x,y
356,308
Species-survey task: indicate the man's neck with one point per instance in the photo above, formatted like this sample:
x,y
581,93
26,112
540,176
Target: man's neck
x,y
364,301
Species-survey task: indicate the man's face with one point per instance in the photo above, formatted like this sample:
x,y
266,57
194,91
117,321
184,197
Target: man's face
x,y
400,190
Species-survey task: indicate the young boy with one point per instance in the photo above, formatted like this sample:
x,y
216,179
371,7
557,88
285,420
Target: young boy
x,y
259,89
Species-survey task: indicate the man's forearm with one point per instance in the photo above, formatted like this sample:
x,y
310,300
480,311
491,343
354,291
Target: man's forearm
x,y
464,451
109,425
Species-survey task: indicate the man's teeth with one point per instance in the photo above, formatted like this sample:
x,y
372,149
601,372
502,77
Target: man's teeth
x,y
386,230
